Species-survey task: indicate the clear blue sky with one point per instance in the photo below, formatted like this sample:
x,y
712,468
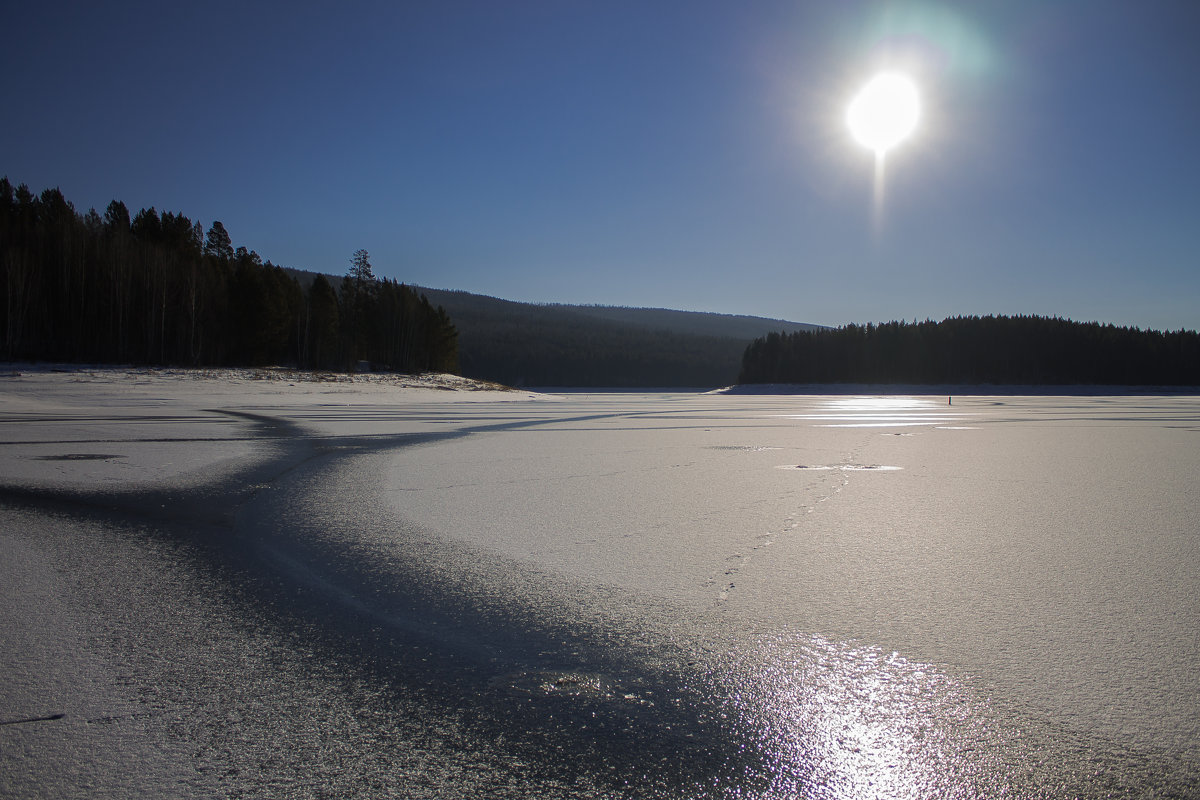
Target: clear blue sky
x,y
684,153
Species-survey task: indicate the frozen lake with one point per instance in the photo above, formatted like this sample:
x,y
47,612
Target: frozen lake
x,y
252,588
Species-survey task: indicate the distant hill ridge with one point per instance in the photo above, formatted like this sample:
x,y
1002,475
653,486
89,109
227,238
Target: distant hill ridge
x,y
535,344
555,344
700,323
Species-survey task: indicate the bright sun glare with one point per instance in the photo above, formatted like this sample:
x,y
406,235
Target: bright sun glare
x,y
884,112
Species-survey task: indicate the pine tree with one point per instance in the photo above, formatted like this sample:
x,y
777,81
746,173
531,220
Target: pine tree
x,y
218,244
360,268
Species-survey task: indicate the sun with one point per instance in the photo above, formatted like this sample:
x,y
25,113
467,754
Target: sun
x,y
885,112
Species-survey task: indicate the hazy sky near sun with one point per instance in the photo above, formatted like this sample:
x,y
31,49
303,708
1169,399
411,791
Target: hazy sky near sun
x,y
678,153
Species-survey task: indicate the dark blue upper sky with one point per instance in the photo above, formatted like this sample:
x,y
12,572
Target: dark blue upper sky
x,y
681,153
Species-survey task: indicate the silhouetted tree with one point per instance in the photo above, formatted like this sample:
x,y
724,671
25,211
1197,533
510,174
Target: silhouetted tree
x,y
360,268
218,244
322,334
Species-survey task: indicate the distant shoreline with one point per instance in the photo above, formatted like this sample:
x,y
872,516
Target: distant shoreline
x,y
458,383
966,390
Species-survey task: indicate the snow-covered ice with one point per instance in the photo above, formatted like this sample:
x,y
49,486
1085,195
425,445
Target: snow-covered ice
x,y
258,584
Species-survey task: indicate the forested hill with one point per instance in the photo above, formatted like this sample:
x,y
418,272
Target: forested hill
x,y
533,344
598,346
156,289
1021,350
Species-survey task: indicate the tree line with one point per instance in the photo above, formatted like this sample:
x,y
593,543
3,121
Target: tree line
x,y
1021,350
157,289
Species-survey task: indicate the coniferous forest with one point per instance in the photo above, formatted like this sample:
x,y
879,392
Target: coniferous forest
x,y
158,289
1020,350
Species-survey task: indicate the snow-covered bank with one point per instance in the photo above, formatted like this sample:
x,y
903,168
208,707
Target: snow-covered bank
x,y
262,381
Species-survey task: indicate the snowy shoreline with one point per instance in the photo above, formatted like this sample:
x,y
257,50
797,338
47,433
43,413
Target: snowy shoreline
x,y
432,380
966,390
371,382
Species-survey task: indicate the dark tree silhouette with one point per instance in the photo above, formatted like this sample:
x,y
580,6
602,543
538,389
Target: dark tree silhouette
x,y
154,289
1022,350
322,325
389,325
360,268
218,244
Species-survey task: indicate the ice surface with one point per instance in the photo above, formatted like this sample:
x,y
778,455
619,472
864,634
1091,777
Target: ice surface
x,y
375,589
1053,548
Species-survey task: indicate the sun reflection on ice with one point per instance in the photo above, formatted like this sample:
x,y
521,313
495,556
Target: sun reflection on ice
x,y
880,403
880,412
837,721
